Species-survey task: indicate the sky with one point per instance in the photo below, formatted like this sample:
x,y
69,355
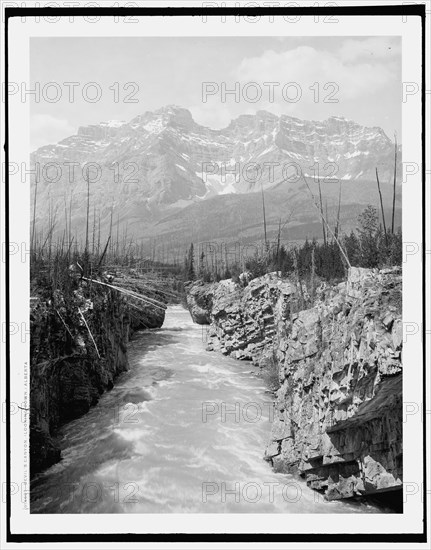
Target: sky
x,y
311,78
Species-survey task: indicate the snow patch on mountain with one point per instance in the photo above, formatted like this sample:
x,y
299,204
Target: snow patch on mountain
x,y
177,159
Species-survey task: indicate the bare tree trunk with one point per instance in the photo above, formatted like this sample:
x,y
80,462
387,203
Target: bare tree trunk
x,y
110,230
264,216
381,207
88,215
337,227
66,231
278,245
70,216
326,213
225,258
94,230
118,236
343,252
298,277
313,272
98,234
34,216
395,181
104,251
321,211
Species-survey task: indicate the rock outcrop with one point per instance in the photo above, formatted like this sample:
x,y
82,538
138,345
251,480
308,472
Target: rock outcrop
x,y
78,348
244,321
338,409
199,297
143,314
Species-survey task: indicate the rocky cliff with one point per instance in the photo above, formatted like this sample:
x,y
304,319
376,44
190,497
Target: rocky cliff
x,y
78,348
338,362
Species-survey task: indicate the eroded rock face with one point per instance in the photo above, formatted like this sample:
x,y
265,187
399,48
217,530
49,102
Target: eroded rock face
x,y
148,314
68,374
199,297
338,411
342,389
246,321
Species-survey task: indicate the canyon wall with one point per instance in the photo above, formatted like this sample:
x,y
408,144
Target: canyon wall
x,y
336,358
78,348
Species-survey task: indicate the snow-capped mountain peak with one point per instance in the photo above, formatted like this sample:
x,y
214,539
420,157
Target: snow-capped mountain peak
x,y
176,160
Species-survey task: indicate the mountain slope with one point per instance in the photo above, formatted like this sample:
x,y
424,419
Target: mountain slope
x,y
162,162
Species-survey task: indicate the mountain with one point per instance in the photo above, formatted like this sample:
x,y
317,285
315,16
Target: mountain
x,y
162,166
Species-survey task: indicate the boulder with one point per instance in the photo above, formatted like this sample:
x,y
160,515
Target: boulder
x,y
199,298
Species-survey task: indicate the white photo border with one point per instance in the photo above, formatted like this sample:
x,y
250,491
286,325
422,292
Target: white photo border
x,y
256,526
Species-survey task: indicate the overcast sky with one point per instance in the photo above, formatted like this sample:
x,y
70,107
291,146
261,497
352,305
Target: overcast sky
x,y
366,72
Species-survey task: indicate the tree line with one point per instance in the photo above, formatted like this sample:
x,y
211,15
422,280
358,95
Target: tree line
x,y
369,246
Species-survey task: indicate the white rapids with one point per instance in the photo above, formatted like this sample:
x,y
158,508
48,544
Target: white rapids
x,y
184,430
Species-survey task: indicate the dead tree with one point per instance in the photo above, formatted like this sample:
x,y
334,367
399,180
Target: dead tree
x,y
395,181
381,206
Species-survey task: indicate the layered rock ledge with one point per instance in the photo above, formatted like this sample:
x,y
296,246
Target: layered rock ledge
x,y
338,408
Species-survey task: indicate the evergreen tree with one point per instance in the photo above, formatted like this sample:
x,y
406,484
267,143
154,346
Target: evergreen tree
x,y
368,229
201,272
352,248
190,269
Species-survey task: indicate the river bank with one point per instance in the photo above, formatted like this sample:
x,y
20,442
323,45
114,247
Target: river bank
x,y
334,360
79,336
182,431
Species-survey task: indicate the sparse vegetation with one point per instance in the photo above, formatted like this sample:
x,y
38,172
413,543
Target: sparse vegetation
x,y
369,246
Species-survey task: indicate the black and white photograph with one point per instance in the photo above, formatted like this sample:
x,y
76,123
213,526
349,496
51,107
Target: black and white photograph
x,y
214,267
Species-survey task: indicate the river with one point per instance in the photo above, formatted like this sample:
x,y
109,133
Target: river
x,y
183,430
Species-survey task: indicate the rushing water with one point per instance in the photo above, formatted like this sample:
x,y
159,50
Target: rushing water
x,y
184,430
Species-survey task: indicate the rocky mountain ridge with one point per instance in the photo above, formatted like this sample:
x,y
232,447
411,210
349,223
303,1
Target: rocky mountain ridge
x,y
157,176
179,159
